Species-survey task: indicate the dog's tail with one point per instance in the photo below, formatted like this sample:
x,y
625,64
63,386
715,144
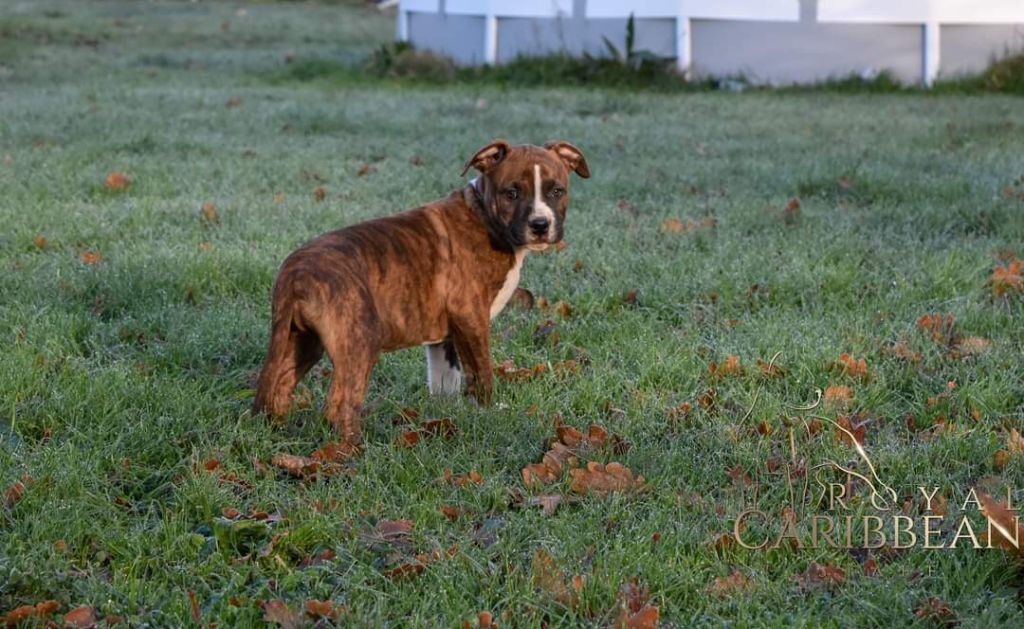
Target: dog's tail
x,y
273,395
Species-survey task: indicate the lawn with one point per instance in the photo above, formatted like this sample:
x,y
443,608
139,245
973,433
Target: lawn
x,y
133,322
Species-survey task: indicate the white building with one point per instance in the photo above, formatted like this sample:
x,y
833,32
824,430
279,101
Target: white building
x,y
768,41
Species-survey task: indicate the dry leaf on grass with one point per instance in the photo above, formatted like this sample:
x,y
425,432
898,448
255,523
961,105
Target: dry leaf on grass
x,y
901,350
819,575
193,601
973,344
939,326
550,468
16,490
322,609
118,181
634,608
507,370
731,366
277,611
552,581
420,563
838,396
445,428
548,504
724,586
334,452
856,368
770,370
850,432
404,570
393,531
605,479
451,512
298,466
1005,524
936,610
82,617
92,258
1006,279
39,610
209,214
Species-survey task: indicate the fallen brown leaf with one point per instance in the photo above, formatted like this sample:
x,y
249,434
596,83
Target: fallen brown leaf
x,y
604,479
853,367
298,466
322,609
278,612
818,575
81,617
857,432
39,610
16,490
91,258
770,370
1005,524
548,504
451,512
210,214
939,326
1007,279
552,581
334,452
118,181
724,586
902,351
935,609
838,395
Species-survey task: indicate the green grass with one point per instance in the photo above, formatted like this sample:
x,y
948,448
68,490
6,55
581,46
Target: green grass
x,y
118,380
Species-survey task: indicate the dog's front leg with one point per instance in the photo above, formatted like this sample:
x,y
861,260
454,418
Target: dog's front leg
x,y
444,371
472,339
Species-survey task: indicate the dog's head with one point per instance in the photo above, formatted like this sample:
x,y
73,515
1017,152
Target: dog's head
x,y
525,190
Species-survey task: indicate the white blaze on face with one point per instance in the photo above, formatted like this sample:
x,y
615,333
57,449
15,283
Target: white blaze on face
x,y
540,208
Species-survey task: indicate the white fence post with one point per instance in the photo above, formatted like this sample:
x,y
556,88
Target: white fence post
x,y
490,38
403,24
684,43
931,53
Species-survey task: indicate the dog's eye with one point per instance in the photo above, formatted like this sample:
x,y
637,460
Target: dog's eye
x,y
555,193
511,194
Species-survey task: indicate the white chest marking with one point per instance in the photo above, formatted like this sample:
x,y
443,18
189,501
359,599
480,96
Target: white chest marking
x,y
509,287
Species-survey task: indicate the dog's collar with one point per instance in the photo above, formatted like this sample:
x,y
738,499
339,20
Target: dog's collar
x,y
475,195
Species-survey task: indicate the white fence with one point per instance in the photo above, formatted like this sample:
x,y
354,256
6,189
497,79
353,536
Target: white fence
x,y
929,15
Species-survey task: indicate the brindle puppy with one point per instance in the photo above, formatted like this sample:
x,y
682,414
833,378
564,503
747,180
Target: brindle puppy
x,y
433,276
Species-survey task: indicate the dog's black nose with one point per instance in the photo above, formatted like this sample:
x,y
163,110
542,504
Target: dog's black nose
x,y
539,226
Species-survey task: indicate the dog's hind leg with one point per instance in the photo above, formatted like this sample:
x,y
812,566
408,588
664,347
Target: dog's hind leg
x,y
444,372
353,363
352,338
292,354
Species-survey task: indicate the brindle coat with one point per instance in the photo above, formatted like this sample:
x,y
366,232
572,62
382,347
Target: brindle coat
x,y
431,276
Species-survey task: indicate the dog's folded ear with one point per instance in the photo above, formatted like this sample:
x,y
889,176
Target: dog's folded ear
x,y
488,157
571,156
